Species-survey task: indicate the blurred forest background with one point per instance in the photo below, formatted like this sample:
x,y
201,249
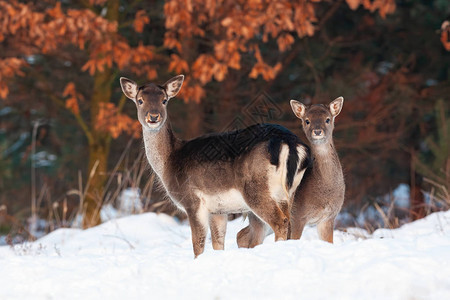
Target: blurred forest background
x,y
70,142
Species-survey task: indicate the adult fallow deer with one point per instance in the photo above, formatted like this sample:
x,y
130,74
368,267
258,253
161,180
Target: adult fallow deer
x,y
320,195
255,169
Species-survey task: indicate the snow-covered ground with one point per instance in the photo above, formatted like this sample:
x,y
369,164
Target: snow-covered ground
x,y
150,256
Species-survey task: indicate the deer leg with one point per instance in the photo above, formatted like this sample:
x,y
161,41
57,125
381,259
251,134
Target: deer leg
x,y
267,209
198,220
325,230
252,235
218,226
296,228
286,209
272,214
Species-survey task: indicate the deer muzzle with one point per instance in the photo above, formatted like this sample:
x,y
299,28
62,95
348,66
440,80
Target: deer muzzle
x,y
152,118
317,134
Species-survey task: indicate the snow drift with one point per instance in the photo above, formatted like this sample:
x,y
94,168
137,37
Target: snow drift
x,y
150,256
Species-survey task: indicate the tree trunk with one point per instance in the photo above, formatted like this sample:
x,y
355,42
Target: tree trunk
x,y
417,200
98,152
98,162
417,203
100,143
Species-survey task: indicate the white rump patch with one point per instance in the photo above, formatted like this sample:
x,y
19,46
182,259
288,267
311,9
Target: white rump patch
x,y
298,177
277,176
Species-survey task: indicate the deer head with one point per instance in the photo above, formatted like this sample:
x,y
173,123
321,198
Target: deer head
x,y
151,100
318,120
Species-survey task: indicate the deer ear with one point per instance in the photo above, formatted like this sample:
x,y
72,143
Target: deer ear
x,y
336,106
129,88
298,108
173,86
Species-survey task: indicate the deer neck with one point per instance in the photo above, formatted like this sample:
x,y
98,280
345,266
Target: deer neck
x,y
326,161
159,145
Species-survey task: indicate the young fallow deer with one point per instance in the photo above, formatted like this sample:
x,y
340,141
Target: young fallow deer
x,y
320,195
255,169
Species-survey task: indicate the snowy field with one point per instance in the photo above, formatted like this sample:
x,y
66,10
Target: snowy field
x,y
150,256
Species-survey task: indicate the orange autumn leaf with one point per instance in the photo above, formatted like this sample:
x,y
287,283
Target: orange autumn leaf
x,y
72,105
178,65
203,68
4,90
56,12
384,7
191,91
235,61
445,35
89,65
11,67
267,72
48,31
353,4
285,41
72,101
110,120
227,21
220,71
140,20
69,90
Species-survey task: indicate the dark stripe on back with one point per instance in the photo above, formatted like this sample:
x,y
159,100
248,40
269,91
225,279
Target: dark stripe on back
x,y
228,146
274,150
292,163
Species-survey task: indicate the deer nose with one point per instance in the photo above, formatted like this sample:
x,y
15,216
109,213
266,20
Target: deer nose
x,y
152,118
318,132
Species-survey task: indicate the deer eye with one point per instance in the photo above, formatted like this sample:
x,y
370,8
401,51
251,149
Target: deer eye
x,y
140,101
307,122
164,101
328,121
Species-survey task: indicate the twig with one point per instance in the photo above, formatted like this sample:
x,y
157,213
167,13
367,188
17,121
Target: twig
x,y
122,239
